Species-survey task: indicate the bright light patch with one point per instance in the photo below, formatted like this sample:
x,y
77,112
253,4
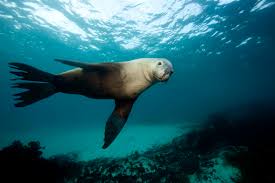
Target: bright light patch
x,y
131,44
224,2
244,42
187,28
8,4
75,7
189,10
227,42
128,23
102,10
212,22
6,16
261,4
51,18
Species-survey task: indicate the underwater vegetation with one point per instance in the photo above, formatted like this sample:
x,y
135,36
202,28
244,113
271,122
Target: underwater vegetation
x,y
232,146
24,163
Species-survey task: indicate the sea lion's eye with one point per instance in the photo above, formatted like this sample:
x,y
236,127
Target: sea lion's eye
x,y
159,63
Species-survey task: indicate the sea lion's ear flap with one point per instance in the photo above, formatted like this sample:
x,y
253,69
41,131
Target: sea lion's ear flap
x,y
117,120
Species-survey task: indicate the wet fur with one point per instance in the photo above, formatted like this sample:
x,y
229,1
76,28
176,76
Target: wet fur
x,y
122,80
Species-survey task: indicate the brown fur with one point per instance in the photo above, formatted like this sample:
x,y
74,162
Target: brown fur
x,y
120,80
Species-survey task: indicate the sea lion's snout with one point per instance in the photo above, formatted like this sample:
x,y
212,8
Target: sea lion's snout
x,y
167,74
169,71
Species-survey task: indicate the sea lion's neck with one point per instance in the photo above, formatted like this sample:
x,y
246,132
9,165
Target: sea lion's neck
x,y
146,71
138,77
138,70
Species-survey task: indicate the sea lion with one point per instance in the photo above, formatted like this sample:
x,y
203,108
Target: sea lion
x,y
121,81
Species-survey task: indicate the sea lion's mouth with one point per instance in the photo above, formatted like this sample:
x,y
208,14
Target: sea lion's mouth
x,y
165,76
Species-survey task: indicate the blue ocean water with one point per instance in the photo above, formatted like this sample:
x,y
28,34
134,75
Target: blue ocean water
x,y
222,52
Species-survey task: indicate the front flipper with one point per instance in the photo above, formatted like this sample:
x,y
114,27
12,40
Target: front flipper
x,y
117,120
73,63
92,67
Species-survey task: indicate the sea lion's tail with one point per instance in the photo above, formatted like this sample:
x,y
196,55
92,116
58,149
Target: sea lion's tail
x,y
40,87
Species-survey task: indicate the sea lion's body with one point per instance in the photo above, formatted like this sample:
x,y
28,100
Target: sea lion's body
x,y
92,84
121,81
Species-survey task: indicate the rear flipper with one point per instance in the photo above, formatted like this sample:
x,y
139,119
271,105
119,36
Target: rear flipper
x,y
42,87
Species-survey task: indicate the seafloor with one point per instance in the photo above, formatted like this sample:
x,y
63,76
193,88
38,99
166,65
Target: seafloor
x,y
227,147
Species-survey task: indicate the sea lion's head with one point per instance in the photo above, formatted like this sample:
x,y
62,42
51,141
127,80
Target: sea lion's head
x,y
162,69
